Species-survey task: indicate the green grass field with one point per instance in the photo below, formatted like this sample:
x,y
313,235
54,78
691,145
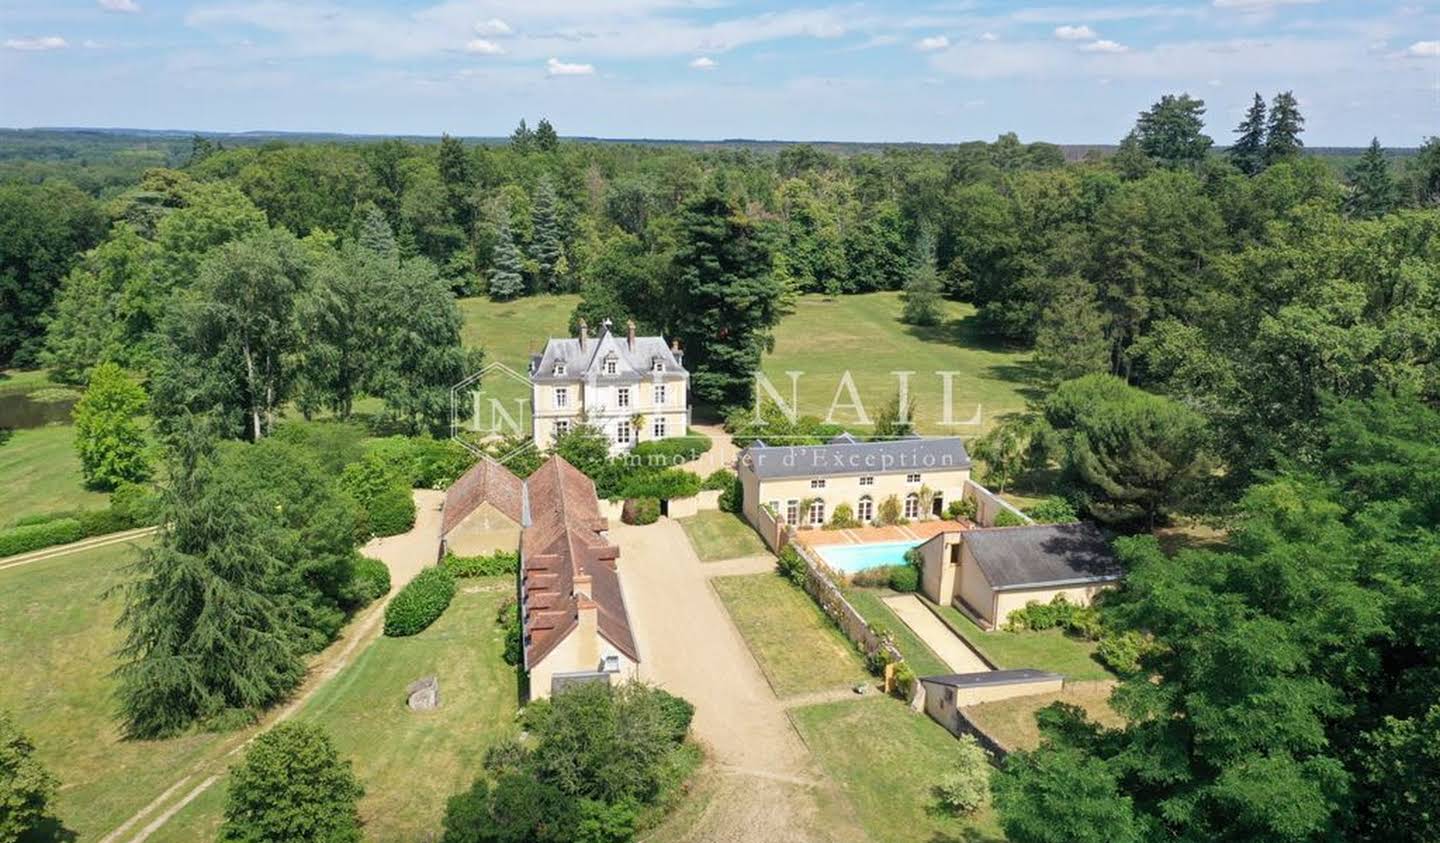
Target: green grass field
x,y
797,647
409,762
886,759
57,639
823,338
39,473
1012,722
921,658
722,535
1051,649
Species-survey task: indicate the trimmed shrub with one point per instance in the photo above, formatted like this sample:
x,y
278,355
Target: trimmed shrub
x,y
966,788
391,512
35,536
904,578
420,603
1006,518
664,484
372,578
507,617
641,511
496,564
673,451
790,565
719,480
843,517
98,522
732,499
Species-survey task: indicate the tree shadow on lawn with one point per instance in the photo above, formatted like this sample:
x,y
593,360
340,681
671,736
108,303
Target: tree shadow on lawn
x,y
50,830
965,332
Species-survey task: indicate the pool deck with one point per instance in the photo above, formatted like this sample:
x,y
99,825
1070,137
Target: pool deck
x,y
916,531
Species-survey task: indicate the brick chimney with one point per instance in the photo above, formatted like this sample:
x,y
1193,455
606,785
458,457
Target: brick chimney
x,y
584,334
630,332
587,626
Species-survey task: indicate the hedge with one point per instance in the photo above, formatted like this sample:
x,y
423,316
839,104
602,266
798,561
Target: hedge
x,y
35,536
672,451
372,579
665,484
420,603
497,564
719,480
640,511
391,512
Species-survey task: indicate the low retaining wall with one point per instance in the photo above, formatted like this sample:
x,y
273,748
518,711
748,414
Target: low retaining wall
x,y
820,586
774,534
706,501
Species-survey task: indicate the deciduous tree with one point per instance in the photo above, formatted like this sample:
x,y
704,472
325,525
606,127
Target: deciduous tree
x,y
292,785
107,433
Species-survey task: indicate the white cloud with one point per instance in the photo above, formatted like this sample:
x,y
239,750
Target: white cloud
x,y
37,44
494,26
1103,47
1075,33
556,67
704,63
1424,49
989,36
932,42
128,6
482,47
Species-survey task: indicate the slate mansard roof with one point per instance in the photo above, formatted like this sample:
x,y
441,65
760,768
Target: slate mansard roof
x,y
1042,555
633,363
846,456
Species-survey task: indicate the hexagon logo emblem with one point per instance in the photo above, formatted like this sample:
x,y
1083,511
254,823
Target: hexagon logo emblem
x,y
492,405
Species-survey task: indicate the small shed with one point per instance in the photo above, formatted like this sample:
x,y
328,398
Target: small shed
x,y
483,511
946,694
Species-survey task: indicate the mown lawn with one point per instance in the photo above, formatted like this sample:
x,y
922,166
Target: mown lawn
x,y
863,334
57,640
722,535
409,762
798,648
1051,649
40,473
886,759
822,338
922,659
1012,722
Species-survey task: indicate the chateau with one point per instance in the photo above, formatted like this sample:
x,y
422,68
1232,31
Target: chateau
x,y
634,389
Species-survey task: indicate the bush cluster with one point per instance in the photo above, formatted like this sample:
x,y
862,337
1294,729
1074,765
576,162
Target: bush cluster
x,y
732,497
791,565
420,603
966,788
131,506
507,617
1006,518
1053,510
666,483
963,508
598,758
496,564
424,463
720,480
372,578
1083,621
1122,651
676,450
842,518
640,511
904,578
382,490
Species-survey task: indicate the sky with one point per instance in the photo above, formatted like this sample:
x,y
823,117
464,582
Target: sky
x,y
1065,72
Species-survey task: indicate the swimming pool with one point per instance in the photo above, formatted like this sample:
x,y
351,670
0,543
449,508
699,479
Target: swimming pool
x,y
857,557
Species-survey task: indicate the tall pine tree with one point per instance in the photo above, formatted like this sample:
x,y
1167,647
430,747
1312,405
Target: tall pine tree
x,y
1248,153
1373,191
1282,133
546,140
507,279
547,247
1172,131
921,295
376,235
522,139
726,299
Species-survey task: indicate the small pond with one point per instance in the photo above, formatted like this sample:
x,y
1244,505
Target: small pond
x,y
19,411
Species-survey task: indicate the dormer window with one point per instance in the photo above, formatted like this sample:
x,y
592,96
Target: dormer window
x,y
559,370
657,365
611,366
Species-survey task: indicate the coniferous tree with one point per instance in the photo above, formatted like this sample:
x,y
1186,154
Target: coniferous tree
x,y
507,279
725,300
1172,131
522,139
1282,132
459,181
1248,153
546,140
1070,340
201,632
376,235
1424,173
1373,190
1130,161
921,295
547,247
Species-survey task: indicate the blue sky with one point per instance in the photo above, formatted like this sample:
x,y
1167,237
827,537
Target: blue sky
x,y
1069,72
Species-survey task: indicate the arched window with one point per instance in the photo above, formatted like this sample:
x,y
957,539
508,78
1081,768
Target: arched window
x,y
817,512
865,512
912,506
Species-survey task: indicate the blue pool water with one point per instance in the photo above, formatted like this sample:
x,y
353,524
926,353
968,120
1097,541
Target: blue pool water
x,y
857,557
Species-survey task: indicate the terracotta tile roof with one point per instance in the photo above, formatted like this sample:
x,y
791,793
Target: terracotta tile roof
x,y
487,481
560,547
